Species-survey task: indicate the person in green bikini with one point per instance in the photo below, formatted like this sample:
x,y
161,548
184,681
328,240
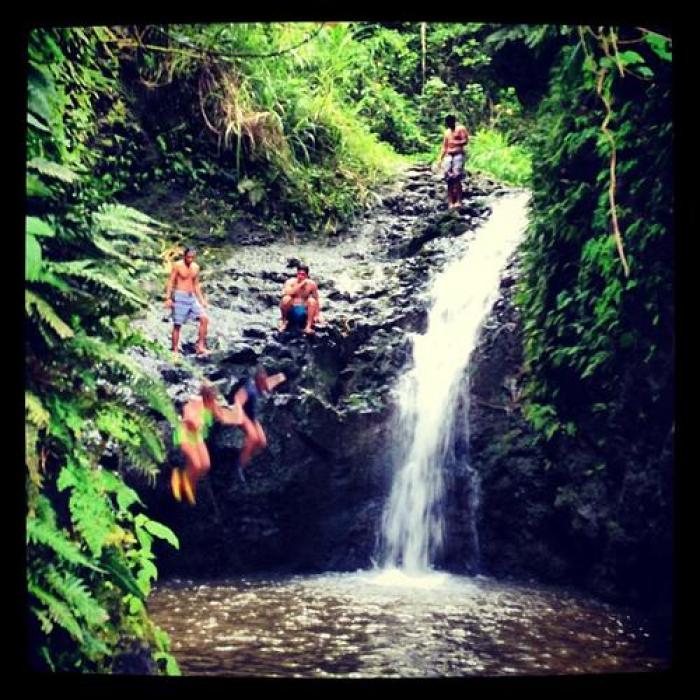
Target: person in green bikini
x,y
198,415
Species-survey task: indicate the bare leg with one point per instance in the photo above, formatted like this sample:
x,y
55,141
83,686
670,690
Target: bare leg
x,y
285,305
197,465
176,338
250,444
262,438
311,313
454,193
201,340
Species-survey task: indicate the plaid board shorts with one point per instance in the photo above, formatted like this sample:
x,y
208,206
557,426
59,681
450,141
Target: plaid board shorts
x,y
455,164
186,306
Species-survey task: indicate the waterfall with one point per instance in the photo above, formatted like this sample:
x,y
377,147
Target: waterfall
x,y
427,394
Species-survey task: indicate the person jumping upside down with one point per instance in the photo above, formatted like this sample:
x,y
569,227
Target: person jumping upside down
x,y
246,398
198,416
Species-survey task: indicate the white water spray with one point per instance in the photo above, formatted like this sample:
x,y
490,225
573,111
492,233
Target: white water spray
x,y
462,297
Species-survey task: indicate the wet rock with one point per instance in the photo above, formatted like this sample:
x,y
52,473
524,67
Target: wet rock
x,y
135,659
240,354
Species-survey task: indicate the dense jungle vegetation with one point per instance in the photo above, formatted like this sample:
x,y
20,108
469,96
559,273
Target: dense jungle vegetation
x,y
296,124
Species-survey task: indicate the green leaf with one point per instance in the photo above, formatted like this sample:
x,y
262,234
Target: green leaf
x,y
40,91
628,58
36,188
121,574
33,121
660,45
35,411
32,259
159,530
38,227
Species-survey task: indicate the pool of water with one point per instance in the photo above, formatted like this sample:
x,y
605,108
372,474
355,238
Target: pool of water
x,y
375,624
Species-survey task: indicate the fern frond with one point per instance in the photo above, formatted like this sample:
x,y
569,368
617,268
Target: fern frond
x,y
44,619
38,227
74,591
57,611
40,532
126,496
114,421
121,365
47,276
90,510
120,220
132,427
66,421
105,281
35,411
106,247
31,458
53,170
35,306
139,462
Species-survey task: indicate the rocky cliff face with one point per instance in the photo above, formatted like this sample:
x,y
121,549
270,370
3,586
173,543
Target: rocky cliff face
x,y
514,507
313,500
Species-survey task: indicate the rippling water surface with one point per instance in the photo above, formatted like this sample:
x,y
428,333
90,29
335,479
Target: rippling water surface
x,y
385,624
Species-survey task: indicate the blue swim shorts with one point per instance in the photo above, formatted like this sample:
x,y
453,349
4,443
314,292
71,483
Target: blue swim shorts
x,y
297,315
453,166
186,306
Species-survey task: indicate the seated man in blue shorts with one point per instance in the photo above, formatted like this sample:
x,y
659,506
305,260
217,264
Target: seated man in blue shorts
x,y
452,158
300,302
187,300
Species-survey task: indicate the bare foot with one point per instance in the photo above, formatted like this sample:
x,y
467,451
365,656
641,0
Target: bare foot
x,y
283,325
309,331
202,352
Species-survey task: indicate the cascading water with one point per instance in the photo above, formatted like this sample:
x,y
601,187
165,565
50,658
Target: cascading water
x,y
462,296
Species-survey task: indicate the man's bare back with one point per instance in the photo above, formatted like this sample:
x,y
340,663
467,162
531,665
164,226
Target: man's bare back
x,y
456,140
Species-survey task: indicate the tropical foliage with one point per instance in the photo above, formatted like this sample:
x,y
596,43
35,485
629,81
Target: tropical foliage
x,y
91,415
597,291
296,124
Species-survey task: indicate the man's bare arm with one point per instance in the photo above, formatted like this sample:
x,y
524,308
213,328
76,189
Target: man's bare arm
x,y
169,286
198,290
445,142
460,137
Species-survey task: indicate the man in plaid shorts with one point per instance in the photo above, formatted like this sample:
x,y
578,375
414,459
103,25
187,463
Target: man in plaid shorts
x,y
183,295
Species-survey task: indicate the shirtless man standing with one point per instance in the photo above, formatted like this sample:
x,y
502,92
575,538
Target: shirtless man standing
x,y
452,159
300,301
183,286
